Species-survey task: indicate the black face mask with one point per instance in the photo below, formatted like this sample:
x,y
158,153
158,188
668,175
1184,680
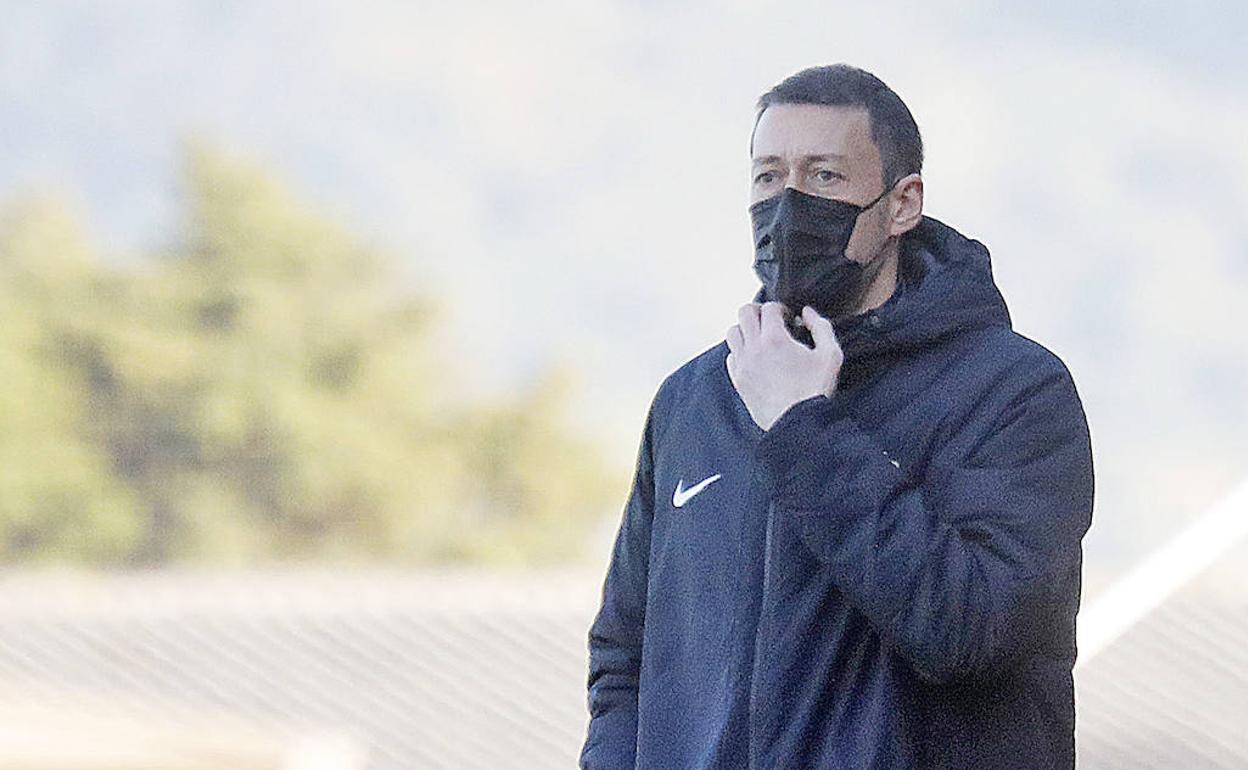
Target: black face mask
x,y
799,253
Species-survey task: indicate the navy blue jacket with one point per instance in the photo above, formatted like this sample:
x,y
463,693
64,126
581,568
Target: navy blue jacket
x,y
887,578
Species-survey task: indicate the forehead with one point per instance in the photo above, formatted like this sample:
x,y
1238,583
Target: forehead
x,y
794,131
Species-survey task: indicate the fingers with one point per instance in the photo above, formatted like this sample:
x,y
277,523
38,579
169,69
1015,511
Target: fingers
x,y
747,319
820,328
733,338
771,318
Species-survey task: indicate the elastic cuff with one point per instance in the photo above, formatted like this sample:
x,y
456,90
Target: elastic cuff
x,y
790,450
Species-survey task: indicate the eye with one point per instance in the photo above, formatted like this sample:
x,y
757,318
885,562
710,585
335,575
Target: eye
x,y
828,176
767,177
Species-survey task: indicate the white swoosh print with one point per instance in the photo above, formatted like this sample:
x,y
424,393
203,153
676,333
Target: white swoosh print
x,y
681,495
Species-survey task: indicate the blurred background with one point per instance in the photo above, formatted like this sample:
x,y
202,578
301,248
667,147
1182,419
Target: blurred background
x,y
327,333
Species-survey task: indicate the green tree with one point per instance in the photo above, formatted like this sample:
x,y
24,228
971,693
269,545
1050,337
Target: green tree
x,y
262,390
59,496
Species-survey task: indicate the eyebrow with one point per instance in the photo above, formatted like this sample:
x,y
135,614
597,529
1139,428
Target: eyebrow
x,y
805,158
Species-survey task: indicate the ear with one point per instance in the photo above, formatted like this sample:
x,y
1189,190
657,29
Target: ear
x,y
905,205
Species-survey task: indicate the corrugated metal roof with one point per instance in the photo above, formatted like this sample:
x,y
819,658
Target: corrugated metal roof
x,y
1172,691
475,671
487,670
1162,680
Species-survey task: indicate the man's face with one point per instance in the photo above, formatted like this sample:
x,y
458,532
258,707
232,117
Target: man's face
x,y
826,151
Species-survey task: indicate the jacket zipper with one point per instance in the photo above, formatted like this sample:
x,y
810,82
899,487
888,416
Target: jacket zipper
x,y
749,733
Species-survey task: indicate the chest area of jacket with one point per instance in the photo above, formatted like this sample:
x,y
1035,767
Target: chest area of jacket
x,y
705,468
709,500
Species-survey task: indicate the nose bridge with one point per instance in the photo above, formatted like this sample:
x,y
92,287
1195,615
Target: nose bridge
x,y
794,178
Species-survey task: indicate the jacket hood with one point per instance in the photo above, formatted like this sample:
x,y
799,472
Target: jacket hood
x,y
945,287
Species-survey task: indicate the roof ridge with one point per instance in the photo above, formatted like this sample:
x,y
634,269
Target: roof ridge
x,y
1161,574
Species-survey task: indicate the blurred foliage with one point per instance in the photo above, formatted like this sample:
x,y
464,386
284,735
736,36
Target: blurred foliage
x,y
264,390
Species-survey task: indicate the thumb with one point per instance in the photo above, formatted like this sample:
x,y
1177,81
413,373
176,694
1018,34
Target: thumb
x,y
820,327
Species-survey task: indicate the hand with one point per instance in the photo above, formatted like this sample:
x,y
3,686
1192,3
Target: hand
x,y
772,371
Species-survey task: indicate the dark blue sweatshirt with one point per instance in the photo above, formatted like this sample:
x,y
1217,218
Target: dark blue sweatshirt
x,y
887,578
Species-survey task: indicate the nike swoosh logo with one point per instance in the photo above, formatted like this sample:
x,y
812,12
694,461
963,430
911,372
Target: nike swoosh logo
x,y
682,495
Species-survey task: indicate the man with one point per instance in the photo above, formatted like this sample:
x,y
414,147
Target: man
x,y
853,538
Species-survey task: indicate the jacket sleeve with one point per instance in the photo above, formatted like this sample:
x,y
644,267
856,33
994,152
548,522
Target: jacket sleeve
x,y
960,565
616,633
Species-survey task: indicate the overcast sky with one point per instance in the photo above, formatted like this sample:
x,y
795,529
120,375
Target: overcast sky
x,y
572,177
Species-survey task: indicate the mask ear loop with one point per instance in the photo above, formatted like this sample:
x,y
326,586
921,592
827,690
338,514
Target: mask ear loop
x,y
881,196
875,264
